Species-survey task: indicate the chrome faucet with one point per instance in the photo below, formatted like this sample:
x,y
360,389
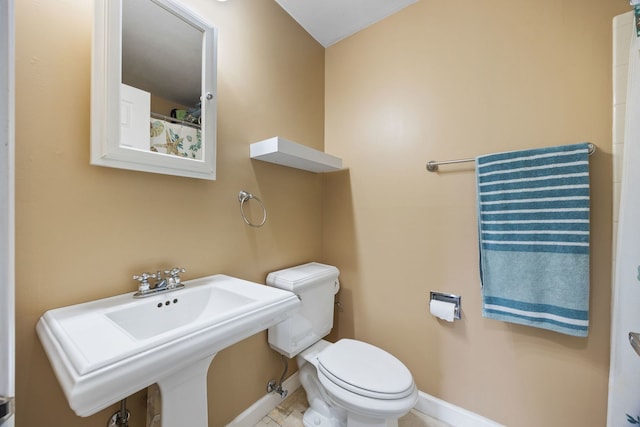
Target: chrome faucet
x,y
160,282
143,279
174,277
161,285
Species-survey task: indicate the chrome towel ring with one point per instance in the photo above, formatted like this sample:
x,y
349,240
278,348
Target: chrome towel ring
x,y
245,196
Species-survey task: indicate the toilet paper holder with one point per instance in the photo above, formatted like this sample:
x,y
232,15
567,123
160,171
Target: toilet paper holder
x,y
451,298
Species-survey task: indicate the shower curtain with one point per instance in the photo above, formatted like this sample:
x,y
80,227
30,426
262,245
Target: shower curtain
x,y
624,376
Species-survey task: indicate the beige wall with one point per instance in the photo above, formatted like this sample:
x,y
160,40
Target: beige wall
x,y
439,81
82,230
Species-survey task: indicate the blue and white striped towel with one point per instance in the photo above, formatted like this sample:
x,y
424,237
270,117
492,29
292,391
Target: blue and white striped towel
x,y
533,216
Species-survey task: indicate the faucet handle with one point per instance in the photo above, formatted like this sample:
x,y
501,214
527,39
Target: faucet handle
x,y
144,281
174,274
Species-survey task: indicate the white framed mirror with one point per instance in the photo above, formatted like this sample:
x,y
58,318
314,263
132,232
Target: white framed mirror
x,y
153,88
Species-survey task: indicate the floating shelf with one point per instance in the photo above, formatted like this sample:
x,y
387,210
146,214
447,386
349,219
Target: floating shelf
x,y
287,153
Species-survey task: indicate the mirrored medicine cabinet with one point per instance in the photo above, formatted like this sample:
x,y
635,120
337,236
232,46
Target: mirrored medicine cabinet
x,y
153,88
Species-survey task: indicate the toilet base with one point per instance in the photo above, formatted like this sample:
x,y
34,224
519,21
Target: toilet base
x,y
355,420
312,418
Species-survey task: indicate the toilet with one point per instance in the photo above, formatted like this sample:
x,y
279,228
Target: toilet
x,y
349,383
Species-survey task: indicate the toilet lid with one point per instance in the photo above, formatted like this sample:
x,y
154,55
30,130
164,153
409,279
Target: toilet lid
x,y
365,370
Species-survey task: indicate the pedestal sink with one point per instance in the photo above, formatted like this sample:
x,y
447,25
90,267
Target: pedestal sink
x,y
105,350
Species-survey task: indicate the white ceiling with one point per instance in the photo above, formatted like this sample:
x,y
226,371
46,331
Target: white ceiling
x,y
330,21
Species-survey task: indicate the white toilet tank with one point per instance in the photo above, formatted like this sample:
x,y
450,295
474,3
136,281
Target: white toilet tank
x,y
315,284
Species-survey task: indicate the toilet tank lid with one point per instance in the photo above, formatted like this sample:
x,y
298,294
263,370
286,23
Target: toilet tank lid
x,y
302,276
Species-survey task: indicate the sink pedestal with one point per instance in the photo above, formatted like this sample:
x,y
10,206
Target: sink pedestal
x,y
184,396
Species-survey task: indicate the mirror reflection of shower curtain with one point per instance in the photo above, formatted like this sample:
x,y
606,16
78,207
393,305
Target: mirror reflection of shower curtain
x,y
624,375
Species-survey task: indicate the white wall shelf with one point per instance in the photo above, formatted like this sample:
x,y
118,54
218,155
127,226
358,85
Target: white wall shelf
x,y
287,153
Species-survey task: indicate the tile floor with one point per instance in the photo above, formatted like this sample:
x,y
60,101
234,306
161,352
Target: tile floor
x,y
289,414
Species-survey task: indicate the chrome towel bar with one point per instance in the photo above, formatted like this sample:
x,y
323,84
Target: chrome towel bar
x,y
432,165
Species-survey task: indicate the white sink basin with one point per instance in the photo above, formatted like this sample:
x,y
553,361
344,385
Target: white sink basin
x,y
105,350
148,320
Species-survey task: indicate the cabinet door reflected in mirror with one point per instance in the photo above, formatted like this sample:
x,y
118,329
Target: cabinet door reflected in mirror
x,y
153,89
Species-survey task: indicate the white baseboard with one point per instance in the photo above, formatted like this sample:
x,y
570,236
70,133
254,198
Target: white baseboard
x,y
451,414
253,414
427,404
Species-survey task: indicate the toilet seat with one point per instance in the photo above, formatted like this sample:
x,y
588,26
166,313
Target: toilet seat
x,y
365,370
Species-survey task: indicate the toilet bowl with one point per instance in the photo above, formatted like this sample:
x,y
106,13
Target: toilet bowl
x,y
350,383
370,385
